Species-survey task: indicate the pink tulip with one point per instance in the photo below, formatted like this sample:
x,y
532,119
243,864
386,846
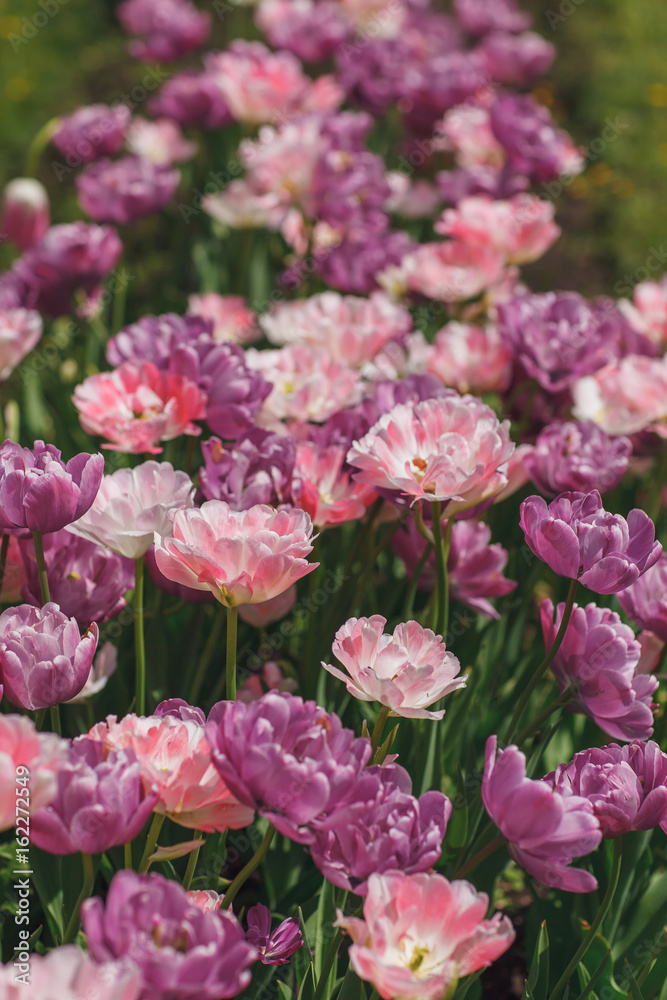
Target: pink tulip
x,y
265,614
421,933
406,671
452,271
175,757
160,141
73,975
232,320
38,753
25,212
205,899
625,396
453,449
242,557
324,490
521,229
136,406
470,358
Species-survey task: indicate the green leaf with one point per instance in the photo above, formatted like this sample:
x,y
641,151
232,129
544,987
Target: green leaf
x,y
648,917
537,984
307,986
632,982
304,955
47,880
595,978
353,987
457,828
324,918
285,992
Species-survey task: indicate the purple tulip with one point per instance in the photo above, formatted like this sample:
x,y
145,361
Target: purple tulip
x,y
40,492
44,659
379,79
627,786
86,580
100,802
353,265
517,60
481,16
559,337
192,98
533,144
277,947
454,185
312,33
577,456
167,29
71,258
257,468
157,338
124,190
474,566
92,132
181,709
380,826
184,345
599,655
545,829
285,757
180,951
645,601
578,539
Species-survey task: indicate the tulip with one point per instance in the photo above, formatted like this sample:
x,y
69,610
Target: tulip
x,y
25,212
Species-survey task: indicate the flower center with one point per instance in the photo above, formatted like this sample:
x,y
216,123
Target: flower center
x,y
418,955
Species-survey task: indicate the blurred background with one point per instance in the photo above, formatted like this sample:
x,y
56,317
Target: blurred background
x,y
610,77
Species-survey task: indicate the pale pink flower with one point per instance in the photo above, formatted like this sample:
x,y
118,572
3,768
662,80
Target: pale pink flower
x,y
262,615
233,321
521,229
242,557
308,384
175,758
406,671
14,577
406,356
466,130
412,199
452,271
375,18
136,406
420,934
625,396
242,206
648,310
20,331
132,504
284,159
205,899
326,490
352,329
21,746
160,141
471,358
452,449
260,86
69,973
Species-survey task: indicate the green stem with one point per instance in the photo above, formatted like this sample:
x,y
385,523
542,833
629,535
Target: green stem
x,y
328,962
54,712
553,706
546,662
232,626
192,862
206,656
41,566
599,917
441,543
86,889
118,310
151,841
128,855
3,558
378,728
481,855
38,145
40,715
421,526
248,869
139,648
414,582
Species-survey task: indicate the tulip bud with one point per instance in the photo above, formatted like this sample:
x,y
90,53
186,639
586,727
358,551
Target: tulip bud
x,y
25,212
